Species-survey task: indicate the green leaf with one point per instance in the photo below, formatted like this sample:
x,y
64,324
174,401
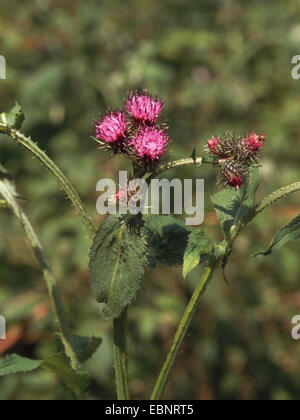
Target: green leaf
x,y
76,382
85,347
236,208
17,364
288,233
117,263
167,239
14,119
194,155
198,244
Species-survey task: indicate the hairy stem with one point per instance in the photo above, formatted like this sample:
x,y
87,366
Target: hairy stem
x,y
6,190
190,311
178,163
277,195
121,356
196,161
61,178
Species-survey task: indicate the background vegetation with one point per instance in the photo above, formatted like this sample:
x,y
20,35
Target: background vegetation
x,y
218,65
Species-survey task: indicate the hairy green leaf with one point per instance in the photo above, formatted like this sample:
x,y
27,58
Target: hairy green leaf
x,y
117,262
85,347
236,208
167,239
16,364
14,119
287,233
194,155
198,244
76,382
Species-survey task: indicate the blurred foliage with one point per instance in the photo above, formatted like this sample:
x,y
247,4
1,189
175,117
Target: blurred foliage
x,y
218,64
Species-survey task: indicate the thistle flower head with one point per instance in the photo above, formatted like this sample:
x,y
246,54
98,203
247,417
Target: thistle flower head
x,y
150,142
235,155
235,181
255,142
232,174
143,108
213,144
112,128
223,147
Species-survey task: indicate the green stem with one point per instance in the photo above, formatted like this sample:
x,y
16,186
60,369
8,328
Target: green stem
x,y
190,311
177,163
61,178
121,356
277,195
6,190
195,161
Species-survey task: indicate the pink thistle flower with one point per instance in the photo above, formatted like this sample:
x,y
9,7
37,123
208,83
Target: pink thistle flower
x,y
112,128
121,195
144,108
235,180
150,142
213,144
255,141
232,174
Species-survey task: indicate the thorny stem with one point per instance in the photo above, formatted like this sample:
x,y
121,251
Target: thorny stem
x,y
277,195
190,311
196,161
8,194
177,163
121,356
61,178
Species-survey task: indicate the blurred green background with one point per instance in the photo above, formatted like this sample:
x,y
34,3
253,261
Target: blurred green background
x,y
218,64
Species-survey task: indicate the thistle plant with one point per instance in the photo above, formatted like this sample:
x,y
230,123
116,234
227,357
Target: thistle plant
x,y
124,246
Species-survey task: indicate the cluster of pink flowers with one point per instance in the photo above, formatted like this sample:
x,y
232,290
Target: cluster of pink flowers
x,y
225,147
235,155
138,132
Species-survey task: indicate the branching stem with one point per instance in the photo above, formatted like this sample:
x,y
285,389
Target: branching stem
x,y
8,195
61,178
